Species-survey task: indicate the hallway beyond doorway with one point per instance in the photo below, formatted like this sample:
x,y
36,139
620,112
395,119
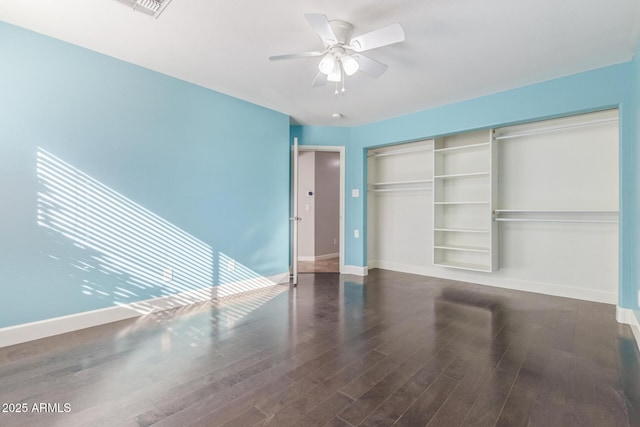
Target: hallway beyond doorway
x,y
329,265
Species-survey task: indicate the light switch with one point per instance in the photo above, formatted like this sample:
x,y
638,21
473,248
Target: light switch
x,y
356,234
307,207
355,192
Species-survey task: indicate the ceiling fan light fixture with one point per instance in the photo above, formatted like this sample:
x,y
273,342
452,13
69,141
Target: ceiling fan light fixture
x,y
327,64
350,65
336,74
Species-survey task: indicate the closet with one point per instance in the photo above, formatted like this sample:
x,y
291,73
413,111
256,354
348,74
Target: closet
x,y
532,206
400,180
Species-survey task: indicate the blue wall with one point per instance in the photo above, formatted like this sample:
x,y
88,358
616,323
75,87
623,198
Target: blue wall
x,y
635,177
589,91
210,167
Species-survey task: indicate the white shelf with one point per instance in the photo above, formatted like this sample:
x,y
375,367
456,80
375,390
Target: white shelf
x,y
558,215
585,221
462,248
464,266
556,128
417,181
462,230
400,151
463,148
558,211
483,202
392,190
463,175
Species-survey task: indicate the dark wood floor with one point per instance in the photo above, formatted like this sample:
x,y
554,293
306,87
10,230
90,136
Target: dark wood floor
x,y
394,349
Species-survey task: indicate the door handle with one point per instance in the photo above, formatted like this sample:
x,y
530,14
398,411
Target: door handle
x,y
295,218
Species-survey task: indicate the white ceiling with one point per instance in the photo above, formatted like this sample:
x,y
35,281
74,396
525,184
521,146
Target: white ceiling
x,y
454,49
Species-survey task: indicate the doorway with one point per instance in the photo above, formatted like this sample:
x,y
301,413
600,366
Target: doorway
x,y
320,201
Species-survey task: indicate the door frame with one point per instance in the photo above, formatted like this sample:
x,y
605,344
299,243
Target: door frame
x,y
341,150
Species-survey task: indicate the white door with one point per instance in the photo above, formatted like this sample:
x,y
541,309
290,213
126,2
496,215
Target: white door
x,y
294,212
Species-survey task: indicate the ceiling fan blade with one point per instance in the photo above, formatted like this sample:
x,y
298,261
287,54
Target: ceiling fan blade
x,y
384,36
321,25
370,66
320,80
296,55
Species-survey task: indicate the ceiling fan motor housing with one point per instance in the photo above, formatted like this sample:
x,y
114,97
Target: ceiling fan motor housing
x,y
343,31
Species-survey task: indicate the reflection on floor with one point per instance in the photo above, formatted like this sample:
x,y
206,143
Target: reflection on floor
x,y
330,265
387,349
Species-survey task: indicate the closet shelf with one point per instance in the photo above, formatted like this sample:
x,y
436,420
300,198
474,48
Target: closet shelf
x,y
463,175
593,221
557,215
462,230
463,248
464,266
417,181
558,211
401,151
391,190
462,148
555,128
482,202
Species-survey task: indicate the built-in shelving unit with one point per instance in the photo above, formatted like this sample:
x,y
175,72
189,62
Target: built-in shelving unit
x,y
530,205
463,196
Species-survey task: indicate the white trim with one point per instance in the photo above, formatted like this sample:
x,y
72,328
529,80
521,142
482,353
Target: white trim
x,y
627,316
555,289
336,149
355,270
318,257
59,325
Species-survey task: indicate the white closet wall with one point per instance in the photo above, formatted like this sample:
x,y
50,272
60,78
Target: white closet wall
x,y
552,193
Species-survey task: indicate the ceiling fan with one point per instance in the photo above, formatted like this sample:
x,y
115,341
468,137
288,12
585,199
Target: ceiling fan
x,y
342,53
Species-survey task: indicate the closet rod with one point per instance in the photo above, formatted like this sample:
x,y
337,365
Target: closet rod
x,y
560,211
555,128
401,151
554,220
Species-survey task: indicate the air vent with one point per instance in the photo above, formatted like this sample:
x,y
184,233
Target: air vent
x,y
150,7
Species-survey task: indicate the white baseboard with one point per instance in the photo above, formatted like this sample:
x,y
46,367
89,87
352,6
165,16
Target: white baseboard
x,y
59,325
489,279
355,270
627,316
318,257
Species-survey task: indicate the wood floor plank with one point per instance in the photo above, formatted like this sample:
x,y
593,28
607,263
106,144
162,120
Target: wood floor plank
x,y
455,409
311,394
487,407
517,408
396,404
370,400
428,403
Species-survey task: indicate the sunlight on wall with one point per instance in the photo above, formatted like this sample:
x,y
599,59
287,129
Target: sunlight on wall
x,y
235,277
141,254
